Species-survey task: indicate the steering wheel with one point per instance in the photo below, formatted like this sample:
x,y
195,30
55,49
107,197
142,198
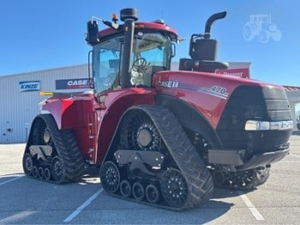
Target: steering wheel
x,y
139,64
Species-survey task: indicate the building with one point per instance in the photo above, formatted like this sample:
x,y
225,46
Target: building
x,y
20,96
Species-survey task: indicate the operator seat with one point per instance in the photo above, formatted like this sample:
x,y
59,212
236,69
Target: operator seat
x,y
151,70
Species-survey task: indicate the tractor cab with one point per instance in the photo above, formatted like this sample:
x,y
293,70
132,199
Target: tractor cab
x,y
129,54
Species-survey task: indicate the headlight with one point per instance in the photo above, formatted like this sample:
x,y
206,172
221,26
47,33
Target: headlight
x,y
253,125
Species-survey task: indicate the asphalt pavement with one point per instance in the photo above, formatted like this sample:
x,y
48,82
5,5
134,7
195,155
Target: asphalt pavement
x,y
28,201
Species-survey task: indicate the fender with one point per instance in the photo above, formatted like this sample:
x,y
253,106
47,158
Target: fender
x,y
69,111
114,105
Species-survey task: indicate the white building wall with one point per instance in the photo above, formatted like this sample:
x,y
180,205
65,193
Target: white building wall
x,y
18,109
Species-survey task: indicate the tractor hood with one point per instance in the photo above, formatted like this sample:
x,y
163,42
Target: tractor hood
x,y
207,92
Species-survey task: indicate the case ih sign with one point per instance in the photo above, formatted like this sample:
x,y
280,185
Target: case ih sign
x,y
72,84
29,86
242,72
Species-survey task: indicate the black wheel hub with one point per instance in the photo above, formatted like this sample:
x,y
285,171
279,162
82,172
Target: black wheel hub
x,y
147,137
46,136
139,133
144,136
27,164
57,168
174,188
110,177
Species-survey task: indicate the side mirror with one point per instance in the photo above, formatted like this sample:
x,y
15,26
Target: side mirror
x,y
92,33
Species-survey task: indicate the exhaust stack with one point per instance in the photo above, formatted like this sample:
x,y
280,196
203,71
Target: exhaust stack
x,y
210,21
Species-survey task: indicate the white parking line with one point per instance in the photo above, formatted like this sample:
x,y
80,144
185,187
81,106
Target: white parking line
x,y
295,155
13,179
80,208
250,206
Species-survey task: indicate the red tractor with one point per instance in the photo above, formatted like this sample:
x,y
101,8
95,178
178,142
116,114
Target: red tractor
x,y
160,137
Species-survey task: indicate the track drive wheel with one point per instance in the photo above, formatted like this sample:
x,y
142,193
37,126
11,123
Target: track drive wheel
x,y
110,177
139,132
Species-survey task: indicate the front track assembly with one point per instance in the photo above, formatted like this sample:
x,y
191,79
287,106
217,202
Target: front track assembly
x,y
154,162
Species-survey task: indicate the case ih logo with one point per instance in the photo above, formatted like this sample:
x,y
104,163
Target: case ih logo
x,y
72,84
29,86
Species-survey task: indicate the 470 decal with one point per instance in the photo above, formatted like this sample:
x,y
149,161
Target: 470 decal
x,y
219,90
216,90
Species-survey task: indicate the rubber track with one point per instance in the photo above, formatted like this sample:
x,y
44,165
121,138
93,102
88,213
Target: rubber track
x,y
67,151
192,167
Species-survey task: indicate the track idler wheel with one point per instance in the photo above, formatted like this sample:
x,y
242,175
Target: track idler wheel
x,y
125,188
152,193
110,177
57,169
138,191
27,164
174,188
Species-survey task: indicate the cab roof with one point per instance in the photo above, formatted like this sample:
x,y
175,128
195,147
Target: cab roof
x,y
158,25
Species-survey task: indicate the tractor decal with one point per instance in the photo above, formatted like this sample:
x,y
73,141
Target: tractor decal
x,y
261,26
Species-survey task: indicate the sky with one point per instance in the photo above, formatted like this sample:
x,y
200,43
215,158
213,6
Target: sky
x,y
39,35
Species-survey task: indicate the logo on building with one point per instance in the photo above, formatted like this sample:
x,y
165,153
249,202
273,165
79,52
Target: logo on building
x,y
72,84
29,86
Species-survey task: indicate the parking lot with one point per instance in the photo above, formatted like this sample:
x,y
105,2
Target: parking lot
x,y
27,201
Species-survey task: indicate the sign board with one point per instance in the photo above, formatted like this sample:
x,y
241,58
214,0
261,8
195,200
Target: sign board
x,y
72,84
29,86
241,72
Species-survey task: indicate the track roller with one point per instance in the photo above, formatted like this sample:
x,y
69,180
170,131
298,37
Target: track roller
x,y
47,174
35,171
41,173
125,188
152,193
138,191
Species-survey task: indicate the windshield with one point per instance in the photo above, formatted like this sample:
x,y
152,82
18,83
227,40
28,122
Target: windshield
x,y
151,52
